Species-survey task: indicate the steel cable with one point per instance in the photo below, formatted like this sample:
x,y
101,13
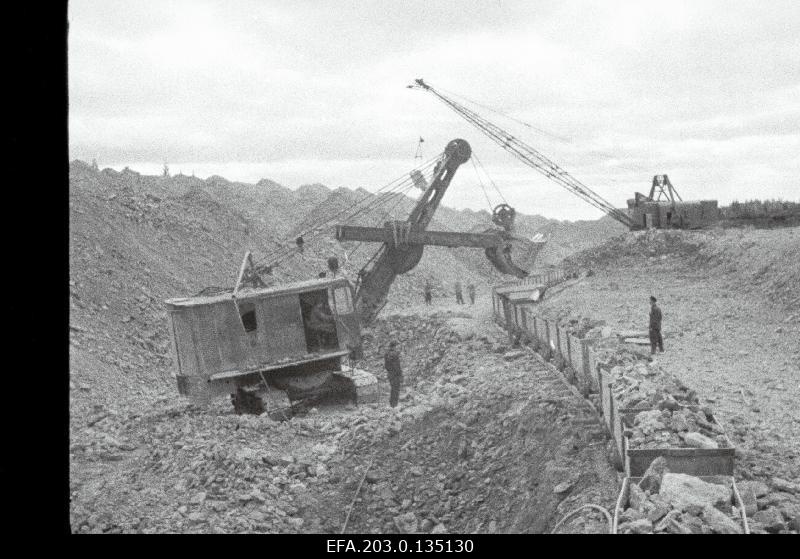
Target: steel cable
x,y
535,159
290,252
589,506
380,199
570,140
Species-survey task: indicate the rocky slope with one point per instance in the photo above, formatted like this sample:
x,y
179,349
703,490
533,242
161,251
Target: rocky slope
x,y
484,440
136,451
731,306
137,240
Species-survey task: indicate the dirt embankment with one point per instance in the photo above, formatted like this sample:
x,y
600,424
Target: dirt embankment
x,y
136,240
731,306
484,440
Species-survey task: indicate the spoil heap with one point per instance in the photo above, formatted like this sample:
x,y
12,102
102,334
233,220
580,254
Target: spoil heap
x,y
483,441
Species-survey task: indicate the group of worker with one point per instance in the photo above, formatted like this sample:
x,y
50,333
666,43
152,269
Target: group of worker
x,y
395,372
428,293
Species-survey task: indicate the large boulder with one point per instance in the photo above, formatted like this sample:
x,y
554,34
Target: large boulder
x,y
759,488
641,526
771,519
785,486
719,521
698,440
406,523
651,481
682,491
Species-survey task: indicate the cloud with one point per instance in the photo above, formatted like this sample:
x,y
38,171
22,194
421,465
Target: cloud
x,y
315,91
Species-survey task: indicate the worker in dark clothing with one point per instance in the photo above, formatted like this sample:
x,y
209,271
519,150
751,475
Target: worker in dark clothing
x,y
459,294
428,293
392,363
655,327
322,324
471,292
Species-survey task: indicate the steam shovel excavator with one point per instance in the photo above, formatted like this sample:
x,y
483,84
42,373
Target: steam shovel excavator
x,y
275,348
404,241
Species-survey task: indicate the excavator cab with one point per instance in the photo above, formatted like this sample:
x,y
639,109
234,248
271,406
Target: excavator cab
x,y
270,347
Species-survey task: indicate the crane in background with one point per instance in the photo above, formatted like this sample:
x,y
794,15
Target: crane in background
x,y
529,156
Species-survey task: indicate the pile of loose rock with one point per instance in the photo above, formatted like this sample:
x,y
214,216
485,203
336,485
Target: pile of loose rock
x,y
672,503
771,509
676,429
609,352
646,386
667,412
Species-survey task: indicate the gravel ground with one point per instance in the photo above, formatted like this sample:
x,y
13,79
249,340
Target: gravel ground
x,y
485,440
731,329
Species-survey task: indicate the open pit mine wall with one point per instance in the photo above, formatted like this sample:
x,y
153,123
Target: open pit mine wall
x,y
589,370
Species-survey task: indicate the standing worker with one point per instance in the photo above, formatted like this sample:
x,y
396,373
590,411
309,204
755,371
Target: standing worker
x,y
392,363
459,294
471,291
428,292
655,327
322,324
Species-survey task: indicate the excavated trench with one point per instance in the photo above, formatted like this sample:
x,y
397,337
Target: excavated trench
x,y
506,484
513,452
485,439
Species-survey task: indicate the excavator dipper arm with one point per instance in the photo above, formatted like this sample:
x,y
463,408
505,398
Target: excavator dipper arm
x,y
392,259
404,241
396,233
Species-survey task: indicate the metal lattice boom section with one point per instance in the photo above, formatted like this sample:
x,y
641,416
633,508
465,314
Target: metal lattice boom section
x,y
531,157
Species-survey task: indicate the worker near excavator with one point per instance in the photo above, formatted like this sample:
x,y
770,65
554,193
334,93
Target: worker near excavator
x,y
655,327
322,323
392,363
471,292
459,293
428,293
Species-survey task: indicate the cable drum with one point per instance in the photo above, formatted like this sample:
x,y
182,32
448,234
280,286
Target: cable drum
x,y
459,150
504,215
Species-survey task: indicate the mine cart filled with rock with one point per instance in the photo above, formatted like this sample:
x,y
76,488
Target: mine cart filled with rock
x,y
270,347
673,503
654,414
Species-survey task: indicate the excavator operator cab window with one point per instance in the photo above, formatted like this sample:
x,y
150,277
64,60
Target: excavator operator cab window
x,y
319,321
247,312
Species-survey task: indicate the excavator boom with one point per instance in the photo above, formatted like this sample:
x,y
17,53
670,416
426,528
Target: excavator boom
x,y
404,241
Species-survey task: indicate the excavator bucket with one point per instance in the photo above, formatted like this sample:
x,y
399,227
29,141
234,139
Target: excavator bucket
x,y
500,256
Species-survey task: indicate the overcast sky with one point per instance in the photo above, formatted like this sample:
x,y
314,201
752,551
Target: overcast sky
x,y
304,92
